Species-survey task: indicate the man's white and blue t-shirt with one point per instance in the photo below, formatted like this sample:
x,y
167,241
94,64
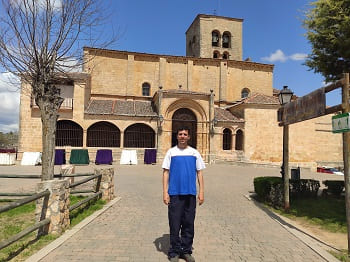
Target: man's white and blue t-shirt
x,y
182,165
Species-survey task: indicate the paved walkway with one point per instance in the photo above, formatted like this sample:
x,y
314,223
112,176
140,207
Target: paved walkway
x,y
228,226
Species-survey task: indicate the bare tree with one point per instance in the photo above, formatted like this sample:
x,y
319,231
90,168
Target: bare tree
x,y
40,41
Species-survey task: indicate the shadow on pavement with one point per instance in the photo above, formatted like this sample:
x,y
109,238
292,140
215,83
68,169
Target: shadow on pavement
x,y
162,243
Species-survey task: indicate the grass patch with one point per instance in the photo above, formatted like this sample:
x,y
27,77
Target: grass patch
x,y
326,212
77,215
342,256
16,220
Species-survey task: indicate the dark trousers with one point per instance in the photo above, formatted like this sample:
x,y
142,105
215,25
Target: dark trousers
x,y
181,214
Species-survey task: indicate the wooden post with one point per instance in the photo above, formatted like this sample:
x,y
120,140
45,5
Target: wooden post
x,y
346,155
286,166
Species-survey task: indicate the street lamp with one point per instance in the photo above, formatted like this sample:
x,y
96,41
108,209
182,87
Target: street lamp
x,y
285,96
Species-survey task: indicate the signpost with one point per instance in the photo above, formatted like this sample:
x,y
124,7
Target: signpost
x,y
312,106
341,123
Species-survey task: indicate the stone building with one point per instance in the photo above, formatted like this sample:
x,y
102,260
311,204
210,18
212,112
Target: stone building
x,y
126,100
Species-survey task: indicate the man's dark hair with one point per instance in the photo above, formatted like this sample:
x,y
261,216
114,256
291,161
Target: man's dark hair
x,y
181,128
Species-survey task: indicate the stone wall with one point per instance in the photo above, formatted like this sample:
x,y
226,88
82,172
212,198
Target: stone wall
x,y
310,141
205,24
56,206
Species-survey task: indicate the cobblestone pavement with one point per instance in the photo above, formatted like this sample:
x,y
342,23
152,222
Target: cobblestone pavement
x,y
228,226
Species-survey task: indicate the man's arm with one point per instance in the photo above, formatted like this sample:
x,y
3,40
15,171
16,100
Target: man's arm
x,y
166,198
201,186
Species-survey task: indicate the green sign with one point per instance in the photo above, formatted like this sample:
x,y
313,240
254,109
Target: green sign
x,y
341,123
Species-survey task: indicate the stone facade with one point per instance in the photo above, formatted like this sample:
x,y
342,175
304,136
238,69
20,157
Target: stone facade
x,y
228,96
56,206
106,183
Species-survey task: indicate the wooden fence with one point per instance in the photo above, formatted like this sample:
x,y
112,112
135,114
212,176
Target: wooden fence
x,y
34,196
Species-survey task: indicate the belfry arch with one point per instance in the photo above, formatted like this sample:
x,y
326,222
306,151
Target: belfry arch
x,y
184,117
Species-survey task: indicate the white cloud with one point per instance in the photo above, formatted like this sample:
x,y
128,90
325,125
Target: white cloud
x,y
298,56
276,56
279,56
9,105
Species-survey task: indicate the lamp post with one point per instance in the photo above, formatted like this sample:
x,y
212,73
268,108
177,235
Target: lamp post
x,y
284,97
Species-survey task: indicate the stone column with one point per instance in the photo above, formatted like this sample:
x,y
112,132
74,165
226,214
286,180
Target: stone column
x,y
55,206
106,183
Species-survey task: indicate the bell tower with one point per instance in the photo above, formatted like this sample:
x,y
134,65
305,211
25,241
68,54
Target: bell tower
x,y
211,36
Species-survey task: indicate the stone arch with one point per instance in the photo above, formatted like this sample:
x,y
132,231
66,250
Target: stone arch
x,y
226,39
226,139
139,135
103,134
215,38
69,133
239,145
184,117
201,118
216,54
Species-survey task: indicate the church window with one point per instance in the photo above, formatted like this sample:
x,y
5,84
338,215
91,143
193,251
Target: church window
x,y
225,55
226,40
215,38
239,140
245,92
227,139
216,54
146,87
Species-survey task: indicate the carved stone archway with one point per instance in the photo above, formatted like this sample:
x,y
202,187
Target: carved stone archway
x,y
184,117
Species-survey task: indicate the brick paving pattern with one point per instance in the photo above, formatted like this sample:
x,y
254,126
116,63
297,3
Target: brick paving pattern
x,y
228,227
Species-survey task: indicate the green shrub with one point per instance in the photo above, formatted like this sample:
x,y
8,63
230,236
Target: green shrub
x,y
263,185
303,188
334,187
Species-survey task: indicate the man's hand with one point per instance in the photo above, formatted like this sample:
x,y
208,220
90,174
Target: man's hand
x,y
201,198
166,198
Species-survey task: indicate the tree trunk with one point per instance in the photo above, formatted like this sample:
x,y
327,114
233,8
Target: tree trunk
x,y
49,115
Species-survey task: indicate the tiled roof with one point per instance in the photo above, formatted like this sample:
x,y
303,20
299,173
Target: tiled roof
x,y
120,107
99,107
221,114
260,99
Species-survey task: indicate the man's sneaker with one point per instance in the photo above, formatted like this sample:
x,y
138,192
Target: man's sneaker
x,y
174,259
188,257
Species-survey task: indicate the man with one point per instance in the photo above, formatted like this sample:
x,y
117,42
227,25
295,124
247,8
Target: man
x,y
182,165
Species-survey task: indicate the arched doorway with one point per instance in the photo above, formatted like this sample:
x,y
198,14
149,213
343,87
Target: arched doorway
x,y
139,136
239,140
103,134
69,133
184,117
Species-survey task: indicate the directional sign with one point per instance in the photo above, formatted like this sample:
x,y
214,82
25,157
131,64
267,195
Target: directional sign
x,y
341,123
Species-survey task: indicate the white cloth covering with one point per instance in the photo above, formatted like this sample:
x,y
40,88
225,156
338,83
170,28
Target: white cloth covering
x,y
128,157
31,159
7,158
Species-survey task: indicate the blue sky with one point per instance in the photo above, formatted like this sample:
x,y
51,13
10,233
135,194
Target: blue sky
x,y
272,33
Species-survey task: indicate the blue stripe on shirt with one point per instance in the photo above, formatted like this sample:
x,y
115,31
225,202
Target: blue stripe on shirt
x,y
182,175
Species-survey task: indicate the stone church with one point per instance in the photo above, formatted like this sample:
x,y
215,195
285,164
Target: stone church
x,y
128,100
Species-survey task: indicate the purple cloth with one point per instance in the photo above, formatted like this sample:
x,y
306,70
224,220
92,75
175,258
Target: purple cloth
x,y
150,156
7,150
104,156
60,157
